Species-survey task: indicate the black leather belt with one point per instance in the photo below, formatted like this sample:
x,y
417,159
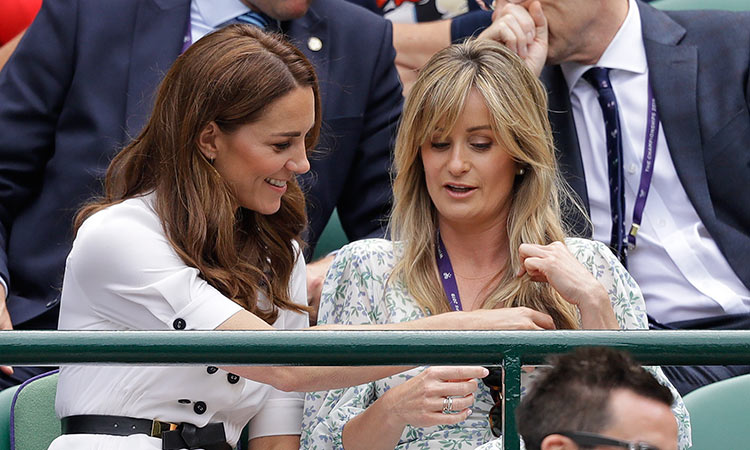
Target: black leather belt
x,y
174,436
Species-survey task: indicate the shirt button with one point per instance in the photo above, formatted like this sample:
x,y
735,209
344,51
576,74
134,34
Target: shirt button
x,y
184,401
211,369
179,324
232,378
199,407
632,169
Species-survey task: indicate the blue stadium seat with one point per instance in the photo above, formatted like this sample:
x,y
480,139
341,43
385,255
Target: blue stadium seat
x,y
33,423
720,413
6,399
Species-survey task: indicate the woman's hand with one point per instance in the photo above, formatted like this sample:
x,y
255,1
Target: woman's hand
x,y
518,318
554,264
417,402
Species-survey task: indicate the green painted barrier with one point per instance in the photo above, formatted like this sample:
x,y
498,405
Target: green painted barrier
x,y
509,349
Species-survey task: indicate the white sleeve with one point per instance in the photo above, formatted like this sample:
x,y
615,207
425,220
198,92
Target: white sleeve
x,y
282,411
281,414
292,320
124,267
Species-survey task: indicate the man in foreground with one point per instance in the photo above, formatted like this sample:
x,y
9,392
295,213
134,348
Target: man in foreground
x,y
597,398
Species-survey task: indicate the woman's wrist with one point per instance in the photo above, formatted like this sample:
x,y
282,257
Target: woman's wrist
x,y
596,310
593,297
388,411
377,427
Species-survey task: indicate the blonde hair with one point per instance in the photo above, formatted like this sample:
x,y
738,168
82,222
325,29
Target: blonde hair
x,y
517,103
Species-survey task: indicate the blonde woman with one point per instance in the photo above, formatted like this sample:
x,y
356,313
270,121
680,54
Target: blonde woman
x,y
476,225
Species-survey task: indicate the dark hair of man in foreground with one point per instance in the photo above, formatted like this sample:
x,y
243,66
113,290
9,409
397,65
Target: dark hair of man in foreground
x,y
577,394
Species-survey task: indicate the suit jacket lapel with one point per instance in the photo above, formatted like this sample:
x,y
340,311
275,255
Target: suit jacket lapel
x,y
302,33
566,143
673,74
158,32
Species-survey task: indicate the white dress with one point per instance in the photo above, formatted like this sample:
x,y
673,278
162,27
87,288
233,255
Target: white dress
x,y
358,290
122,274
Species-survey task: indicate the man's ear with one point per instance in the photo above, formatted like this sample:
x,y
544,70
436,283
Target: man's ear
x,y
207,140
558,442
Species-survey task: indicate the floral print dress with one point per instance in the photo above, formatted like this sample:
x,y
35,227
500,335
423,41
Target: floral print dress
x,y
357,290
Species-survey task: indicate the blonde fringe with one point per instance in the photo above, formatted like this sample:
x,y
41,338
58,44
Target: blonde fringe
x,y
518,104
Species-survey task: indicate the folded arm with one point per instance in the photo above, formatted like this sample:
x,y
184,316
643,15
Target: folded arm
x,y
323,378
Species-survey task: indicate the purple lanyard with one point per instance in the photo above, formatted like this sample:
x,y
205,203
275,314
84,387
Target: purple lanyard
x,y
647,167
446,275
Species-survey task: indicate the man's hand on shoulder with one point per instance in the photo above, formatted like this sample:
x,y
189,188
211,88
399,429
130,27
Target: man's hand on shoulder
x,y
522,30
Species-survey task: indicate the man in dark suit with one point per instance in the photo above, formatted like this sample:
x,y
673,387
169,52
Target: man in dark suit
x,y
675,86
80,84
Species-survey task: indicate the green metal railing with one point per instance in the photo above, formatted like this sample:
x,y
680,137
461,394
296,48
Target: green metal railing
x,y
509,349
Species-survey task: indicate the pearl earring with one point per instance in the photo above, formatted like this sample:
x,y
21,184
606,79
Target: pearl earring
x,y
521,171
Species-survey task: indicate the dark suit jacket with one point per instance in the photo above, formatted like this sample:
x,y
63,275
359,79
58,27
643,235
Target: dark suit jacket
x,y
81,83
698,68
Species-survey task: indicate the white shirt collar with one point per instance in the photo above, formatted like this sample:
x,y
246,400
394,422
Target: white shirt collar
x,y
216,12
625,52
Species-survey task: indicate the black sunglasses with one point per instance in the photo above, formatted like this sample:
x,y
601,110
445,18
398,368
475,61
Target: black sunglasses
x,y
494,381
593,439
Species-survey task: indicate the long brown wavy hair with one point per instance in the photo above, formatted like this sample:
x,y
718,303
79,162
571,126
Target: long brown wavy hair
x,y
517,103
227,77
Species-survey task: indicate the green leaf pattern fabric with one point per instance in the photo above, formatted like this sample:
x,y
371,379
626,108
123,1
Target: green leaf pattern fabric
x,y
358,290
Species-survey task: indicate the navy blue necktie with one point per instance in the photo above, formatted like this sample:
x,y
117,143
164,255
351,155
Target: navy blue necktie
x,y
253,18
598,77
